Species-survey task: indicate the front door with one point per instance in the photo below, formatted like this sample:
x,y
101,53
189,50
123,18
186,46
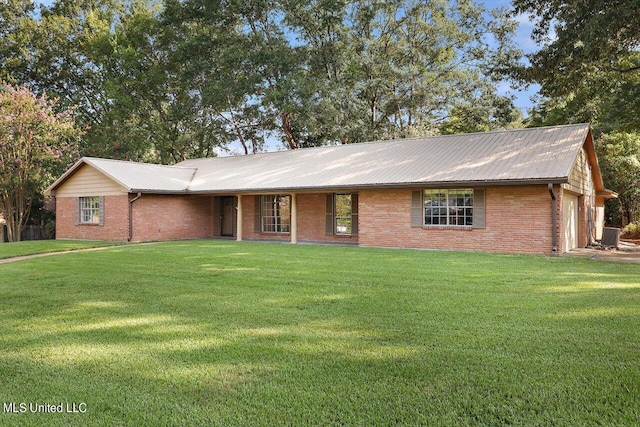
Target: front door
x,y
228,216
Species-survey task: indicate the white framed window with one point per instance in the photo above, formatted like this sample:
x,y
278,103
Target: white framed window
x,y
343,214
90,210
275,213
448,207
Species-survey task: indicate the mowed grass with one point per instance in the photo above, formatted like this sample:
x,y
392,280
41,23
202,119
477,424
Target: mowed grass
x,y
15,249
228,333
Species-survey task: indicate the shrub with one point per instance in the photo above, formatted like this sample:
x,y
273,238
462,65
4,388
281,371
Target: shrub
x,y
631,231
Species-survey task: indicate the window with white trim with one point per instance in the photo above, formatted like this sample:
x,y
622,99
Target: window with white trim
x,y
448,207
343,212
90,210
275,213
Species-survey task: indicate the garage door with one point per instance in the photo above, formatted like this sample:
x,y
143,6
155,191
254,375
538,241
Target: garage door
x,y
570,217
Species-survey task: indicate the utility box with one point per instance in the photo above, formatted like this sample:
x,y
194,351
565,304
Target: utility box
x,y
611,237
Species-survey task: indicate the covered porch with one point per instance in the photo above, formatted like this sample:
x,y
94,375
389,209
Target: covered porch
x,y
287,216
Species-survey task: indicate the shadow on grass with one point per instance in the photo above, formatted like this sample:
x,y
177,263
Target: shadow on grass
x,y
317,335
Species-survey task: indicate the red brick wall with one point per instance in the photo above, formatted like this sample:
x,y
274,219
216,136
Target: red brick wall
x,y
583,221
518,220
311,221
155,217
248,220
116,220
166,217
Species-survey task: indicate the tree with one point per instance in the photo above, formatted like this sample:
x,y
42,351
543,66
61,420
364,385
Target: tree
x,y
589,53
163,81
36,145
52,51
240,65
156,112
619,155
401,68
17,31
327,72
589,71
76,45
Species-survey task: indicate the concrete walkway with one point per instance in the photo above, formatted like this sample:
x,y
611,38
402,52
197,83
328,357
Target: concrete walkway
x,y
25,257
625,253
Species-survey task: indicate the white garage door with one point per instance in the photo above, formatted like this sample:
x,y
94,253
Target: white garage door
x,y
570,217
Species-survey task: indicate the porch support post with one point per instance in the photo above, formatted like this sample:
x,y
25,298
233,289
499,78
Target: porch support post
x,y
239,219
294,219
554,219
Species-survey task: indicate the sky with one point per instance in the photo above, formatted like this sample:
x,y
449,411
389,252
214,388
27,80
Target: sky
x,y
523,41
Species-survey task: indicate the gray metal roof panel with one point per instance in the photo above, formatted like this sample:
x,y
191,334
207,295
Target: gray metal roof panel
x,y
519,155
134,177
516,156
144,176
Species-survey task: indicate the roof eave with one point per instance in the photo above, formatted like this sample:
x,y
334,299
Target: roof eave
x,y
607,194
596,174
355,187
156,191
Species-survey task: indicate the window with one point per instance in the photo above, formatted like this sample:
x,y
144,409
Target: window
x,y
343,214
275,213
90,210
448,207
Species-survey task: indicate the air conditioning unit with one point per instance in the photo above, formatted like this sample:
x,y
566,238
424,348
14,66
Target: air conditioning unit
x,y
611,237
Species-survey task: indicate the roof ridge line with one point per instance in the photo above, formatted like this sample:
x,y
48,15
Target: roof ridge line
x,y
386,141
176,166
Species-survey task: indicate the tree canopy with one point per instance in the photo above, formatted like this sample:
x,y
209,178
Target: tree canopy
x,y
588,68
588,65
36,145
620,166
164,81
318,72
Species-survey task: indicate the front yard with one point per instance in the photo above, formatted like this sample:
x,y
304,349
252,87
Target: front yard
x,y
15,249
228,333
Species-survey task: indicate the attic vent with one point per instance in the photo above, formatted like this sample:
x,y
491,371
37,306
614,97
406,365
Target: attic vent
x,y
611,237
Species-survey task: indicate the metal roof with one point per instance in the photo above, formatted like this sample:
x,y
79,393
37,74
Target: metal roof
x,y
520,156
516,156
135,177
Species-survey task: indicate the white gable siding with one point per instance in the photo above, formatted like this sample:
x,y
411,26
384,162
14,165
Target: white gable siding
x,y
580,179
89,182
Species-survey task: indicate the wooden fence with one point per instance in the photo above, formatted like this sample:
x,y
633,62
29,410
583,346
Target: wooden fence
x,y
31,232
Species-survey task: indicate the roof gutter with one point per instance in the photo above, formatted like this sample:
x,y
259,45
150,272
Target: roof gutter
x,y
131,202
607,194
554,219
355,187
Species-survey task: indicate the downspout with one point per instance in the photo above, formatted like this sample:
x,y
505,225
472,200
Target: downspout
x,y
131,216
554,220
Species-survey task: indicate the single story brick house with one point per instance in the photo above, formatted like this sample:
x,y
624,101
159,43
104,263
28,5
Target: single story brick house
x,y
533,190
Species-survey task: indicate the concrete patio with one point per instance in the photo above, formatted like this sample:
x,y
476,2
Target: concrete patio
x,y
626,252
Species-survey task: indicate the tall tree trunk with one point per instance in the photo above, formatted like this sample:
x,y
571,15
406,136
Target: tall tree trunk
x,y
16,211
287,128
627,210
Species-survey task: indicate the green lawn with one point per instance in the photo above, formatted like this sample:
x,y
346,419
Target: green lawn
x,y
227,333
14,249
